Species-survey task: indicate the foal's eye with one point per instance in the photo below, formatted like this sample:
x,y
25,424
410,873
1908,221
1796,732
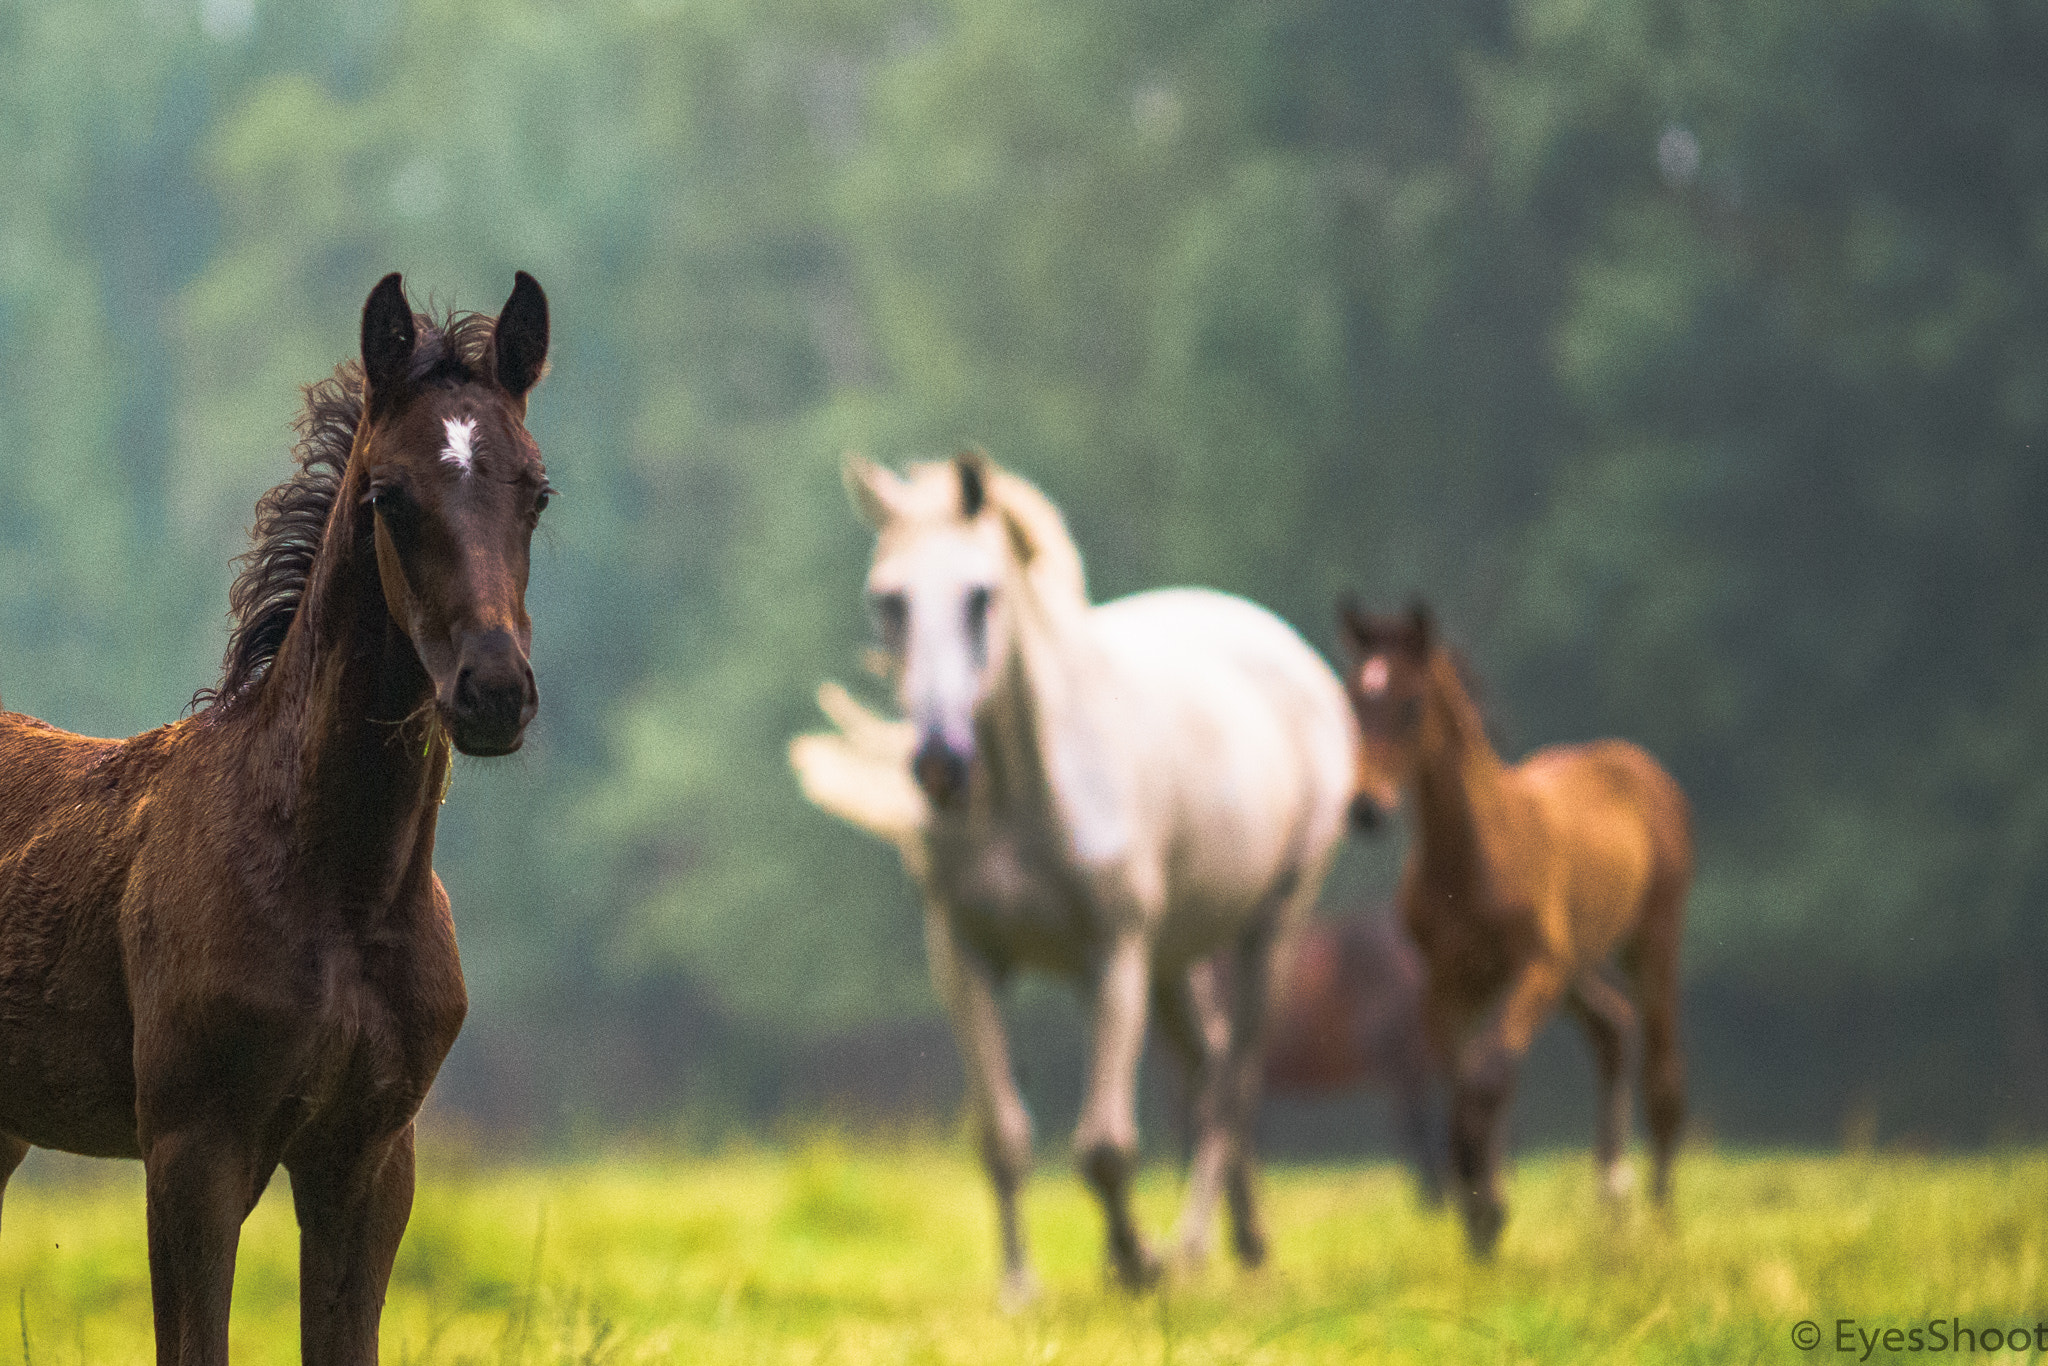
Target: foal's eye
x,y
541,500
387,498
892,618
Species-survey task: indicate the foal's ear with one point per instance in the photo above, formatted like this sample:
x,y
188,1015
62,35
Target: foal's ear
x,y
387,338
875,492
1421,625
521,339
1356,625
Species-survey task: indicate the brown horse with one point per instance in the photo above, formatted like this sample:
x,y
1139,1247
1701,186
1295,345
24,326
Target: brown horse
x,y
1348,1014
222,943
1526,887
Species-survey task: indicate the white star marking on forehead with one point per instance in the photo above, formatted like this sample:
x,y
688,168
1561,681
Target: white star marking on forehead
x,y
1373,677
460,453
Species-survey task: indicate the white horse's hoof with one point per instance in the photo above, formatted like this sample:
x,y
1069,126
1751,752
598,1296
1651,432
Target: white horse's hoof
x,y
1019,1291
1617,1182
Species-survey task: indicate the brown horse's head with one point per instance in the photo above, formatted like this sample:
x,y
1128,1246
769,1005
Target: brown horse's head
x,y
938,591
456,487
1387,675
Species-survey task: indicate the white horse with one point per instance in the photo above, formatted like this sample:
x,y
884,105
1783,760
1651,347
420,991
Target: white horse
x,y
1111,793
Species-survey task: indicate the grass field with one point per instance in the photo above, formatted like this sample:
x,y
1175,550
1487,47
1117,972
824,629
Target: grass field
x,y
856,1252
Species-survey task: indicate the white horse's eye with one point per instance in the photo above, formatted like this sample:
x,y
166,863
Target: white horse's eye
x,y
977,623
892,618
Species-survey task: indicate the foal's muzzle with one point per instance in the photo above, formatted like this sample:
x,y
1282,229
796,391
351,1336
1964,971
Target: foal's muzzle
x,y
493,696
940,770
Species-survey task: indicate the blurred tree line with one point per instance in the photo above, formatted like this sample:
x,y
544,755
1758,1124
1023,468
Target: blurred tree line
x,y
1692,358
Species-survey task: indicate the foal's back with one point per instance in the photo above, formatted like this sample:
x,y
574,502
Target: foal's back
x,y
1618,833
73,810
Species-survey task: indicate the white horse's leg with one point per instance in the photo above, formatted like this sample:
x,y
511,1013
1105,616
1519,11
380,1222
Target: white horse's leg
x,y
1106,1139
1253,983
967,986
1193,1021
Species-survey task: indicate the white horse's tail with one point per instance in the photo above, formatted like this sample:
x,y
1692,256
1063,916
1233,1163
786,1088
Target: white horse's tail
x,y
861,771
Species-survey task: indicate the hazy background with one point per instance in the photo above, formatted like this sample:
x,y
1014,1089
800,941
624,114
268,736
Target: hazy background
x,y
1691,356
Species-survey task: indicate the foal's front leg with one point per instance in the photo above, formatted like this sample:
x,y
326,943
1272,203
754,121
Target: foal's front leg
x,y
200,1183
353,1196
1106,1139
1484,1079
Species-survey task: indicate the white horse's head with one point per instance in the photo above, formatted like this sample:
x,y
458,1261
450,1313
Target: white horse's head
x,y
942,589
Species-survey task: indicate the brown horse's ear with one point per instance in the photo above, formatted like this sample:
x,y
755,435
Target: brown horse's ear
x,y
521,339
1422,625
1356,625
388,339
973,468
875,492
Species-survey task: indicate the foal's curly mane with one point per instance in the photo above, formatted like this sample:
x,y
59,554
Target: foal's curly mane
x,y
291,519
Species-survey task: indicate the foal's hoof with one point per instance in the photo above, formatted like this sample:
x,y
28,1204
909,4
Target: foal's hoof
x,y
1018,1292
1137,1272
1617,1182
1483,1221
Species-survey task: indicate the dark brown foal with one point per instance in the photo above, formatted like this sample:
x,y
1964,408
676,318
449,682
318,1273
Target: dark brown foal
x,y
1561,879
1348,1015
222,943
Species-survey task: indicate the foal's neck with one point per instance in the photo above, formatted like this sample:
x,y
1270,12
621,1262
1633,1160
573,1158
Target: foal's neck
x,y
1458,780
350,751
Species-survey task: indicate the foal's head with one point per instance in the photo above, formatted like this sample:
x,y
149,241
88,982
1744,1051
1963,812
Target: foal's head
x,y
455,487
1387,675
936,588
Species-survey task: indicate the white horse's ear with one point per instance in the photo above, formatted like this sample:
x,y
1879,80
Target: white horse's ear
x,y
876,492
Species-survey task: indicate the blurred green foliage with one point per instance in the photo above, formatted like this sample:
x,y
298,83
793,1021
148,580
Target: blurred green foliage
x,y
1691,358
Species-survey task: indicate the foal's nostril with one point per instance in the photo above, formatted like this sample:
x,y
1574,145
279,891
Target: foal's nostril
x,y
1365,813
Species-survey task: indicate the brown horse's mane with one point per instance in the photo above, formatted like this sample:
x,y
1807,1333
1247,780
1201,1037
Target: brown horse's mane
x,y
1475,696
291,519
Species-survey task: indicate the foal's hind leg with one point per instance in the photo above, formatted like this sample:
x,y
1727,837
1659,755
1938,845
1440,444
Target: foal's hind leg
x,y
1611,1026
1656,966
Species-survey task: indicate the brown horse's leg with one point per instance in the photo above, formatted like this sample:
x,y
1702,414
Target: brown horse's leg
x,y
1414,1115
1485,1079
353,1199
1612,1028
199,1184
1002,1126
1656,964
1194,1025
1106,1139
12,1151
